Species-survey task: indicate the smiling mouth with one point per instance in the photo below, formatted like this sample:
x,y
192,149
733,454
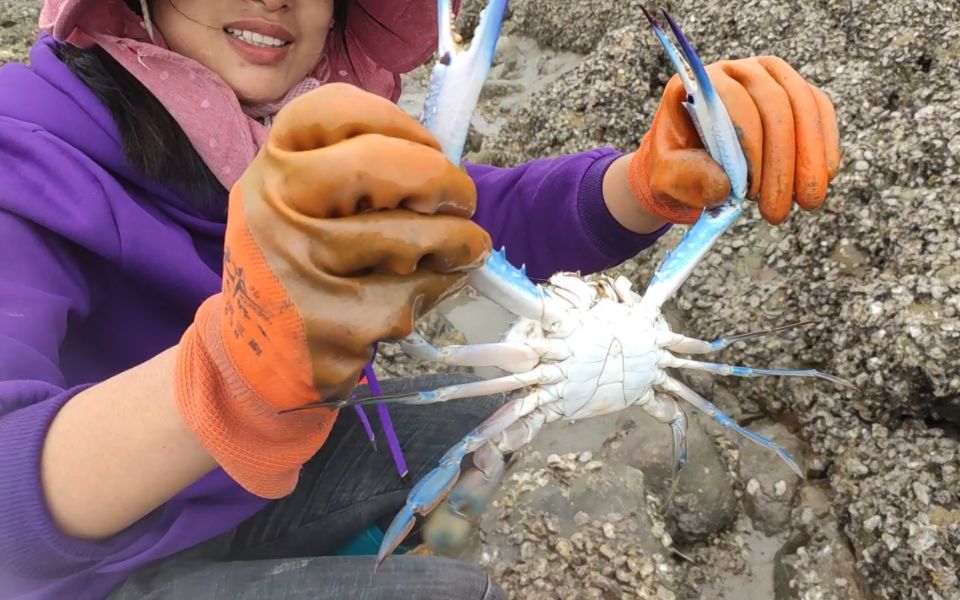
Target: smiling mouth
x,y
256,39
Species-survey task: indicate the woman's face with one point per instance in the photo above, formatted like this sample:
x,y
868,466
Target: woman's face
x,y
260,48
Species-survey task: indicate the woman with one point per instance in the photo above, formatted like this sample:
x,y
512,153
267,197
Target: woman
x,y
183,259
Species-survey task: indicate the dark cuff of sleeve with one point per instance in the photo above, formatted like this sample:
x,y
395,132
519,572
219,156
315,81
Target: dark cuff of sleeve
x,y
609,236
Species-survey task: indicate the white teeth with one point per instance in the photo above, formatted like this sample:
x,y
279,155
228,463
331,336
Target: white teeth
x,y
256,39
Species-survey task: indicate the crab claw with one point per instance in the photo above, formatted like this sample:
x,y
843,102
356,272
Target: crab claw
x,y
719,137
705,106
459,75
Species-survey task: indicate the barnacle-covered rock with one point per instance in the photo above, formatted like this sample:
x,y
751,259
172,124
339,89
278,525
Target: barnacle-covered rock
x,y
17,29
770,485
570,526
817,562
703,501
875,268
900,493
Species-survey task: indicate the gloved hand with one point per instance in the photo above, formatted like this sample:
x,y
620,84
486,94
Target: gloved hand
x,y
788,132
349,224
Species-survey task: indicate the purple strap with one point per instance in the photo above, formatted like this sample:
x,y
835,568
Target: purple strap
x,y
366,425
386,422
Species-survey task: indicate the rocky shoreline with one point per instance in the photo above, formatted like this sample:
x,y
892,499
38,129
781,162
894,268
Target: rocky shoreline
x,y
879,514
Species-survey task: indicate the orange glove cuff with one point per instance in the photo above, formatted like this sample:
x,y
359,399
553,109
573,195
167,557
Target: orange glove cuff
x,y
259,448
233,377
638,176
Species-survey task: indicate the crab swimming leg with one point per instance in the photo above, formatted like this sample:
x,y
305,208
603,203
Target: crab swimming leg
x,y
720,138
738,371
449,526
678,342
436,485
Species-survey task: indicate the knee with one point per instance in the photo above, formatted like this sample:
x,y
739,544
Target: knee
x,y
445,578
481,586
474,583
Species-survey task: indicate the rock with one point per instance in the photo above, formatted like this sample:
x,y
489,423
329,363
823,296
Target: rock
x,y
549,21
584,107
901,496
887,309
18,26
771,483
563,526
704,501
816,562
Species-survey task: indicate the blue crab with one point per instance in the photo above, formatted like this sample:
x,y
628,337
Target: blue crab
x,y
579,347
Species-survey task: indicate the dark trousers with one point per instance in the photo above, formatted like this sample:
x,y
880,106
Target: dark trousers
x,y
279,553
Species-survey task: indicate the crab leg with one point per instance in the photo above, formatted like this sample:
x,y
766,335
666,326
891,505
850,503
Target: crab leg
x,y
449,526
515,357
545,374
678,426
666,410
737,371
720,138
437,484
687,345
721,343
702,404
509,356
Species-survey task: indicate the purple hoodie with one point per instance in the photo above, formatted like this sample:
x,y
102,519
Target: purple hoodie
x,y
102,269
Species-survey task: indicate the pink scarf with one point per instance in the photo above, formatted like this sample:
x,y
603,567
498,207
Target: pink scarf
x,y
382,40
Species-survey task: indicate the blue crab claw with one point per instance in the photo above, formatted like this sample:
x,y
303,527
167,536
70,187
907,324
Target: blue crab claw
x,y
705,107
450,526
719,137
509,428
458,76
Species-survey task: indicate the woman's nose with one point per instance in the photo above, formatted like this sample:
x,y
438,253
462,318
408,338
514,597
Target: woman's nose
x,y
274,5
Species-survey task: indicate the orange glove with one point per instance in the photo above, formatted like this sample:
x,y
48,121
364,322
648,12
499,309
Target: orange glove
x,y
788,132
348,225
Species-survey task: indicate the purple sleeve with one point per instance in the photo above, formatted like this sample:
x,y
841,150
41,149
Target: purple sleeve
x,y
40,290
550,214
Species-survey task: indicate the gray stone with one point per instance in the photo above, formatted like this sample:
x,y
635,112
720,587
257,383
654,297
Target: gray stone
x,y
703,501
771,484
900,495
18,27
571,527
816,562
